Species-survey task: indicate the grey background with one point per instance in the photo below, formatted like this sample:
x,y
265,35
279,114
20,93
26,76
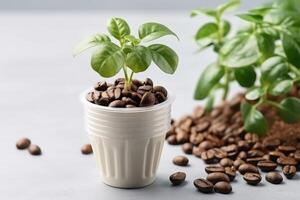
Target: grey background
x,y
116,4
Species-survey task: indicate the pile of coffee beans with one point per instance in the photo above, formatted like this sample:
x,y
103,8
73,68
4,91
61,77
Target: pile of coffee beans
x,y
25,143
140,94
219,139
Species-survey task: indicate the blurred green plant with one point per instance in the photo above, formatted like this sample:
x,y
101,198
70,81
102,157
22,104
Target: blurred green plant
x,y
263,57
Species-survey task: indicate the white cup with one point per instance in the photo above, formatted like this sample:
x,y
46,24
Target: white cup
x,y
127,142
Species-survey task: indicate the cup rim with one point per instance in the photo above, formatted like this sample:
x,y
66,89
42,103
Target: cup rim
x,y
169,101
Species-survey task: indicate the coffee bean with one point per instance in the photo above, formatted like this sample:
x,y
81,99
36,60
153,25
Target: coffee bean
x,y
267,165
226,162
274,177
217,177
86,149
230,172
230,148
255,153
117,93
130,106
148,99
206,145
180,160
251,138
202,127
34,150
103,101
117,104
297,157
177,178
289,171
214,168
223,187
160,89
208,156
197,151
187,148
254,160
219,154
137,82
148,81
271,144
23,143
160,97
244,168
287,149
284,160
252,178
145,88
119,80
243,145
274,155
238,162
101,86
90,97
203,185
172,140
258,146
196,139
242,155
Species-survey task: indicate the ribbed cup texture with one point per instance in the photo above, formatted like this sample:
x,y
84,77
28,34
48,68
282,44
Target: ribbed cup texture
x,y
127,145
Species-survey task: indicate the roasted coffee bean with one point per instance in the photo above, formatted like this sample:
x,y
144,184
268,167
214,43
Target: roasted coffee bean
x,y
117,104
230,148
271,144
274,155
203,185
126,93
196,139
274,177
289,171
90,97
202,126
226,162
160,97
214,168
267,165
101,86
128,100
145,88
252,178
172,140
242,155
243,145
258,146
217,177
284,160
206,145
208,156
148,81
181,136
23,143
244,168
148,99
222,187
117,93
297,156
177,178
255,153
219,154
34,150
137,82
86,149
181,160
230,172
160,89
238,162
255,160
286,149
187,148
197,151
119,80
251,138
103,101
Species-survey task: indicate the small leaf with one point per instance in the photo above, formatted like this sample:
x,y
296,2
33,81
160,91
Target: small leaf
x,y
226,27
132,39
108,59
291,46
281,88
208,79
266,45
254,18
206,11
254,121
240,51
254,94
209,104
206,34
245,76
289,110
151,31
230,5
90,42
273,68
261,10
164,57
118,28
139,59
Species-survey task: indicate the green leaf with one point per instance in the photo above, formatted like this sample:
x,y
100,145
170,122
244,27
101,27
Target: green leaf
x,y
254,121
273,68
90,42
266,45
289,110
254,94
139,59
206,34
250,17
208,79
207,11
226,27
164,57
108,59
118,28
261,10
240,51
291,46
230,5
132,39
281,88
151,31
209,104
245,76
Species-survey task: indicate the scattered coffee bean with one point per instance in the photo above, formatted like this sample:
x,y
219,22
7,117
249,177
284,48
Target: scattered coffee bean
x,y
287,149
23,143
254,160
289,171
214,168
274,177
177,178
252,178
230,172
217,177
34,150
172,140
187,148
86,149
244,168
238,162
203,185
226,162
223,187
274,155
267,165
284,160
181,160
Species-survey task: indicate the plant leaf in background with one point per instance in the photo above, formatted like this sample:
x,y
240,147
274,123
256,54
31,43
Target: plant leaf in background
x,y
139,59
289,110
206,11
250,17
273,68
151,31
118,28
254,94
228,6
108,59
280,88
208,79
206,34
266,45
291,46
245,76
164,57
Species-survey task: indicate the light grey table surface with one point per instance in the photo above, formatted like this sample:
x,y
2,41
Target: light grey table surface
x,y
39,84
